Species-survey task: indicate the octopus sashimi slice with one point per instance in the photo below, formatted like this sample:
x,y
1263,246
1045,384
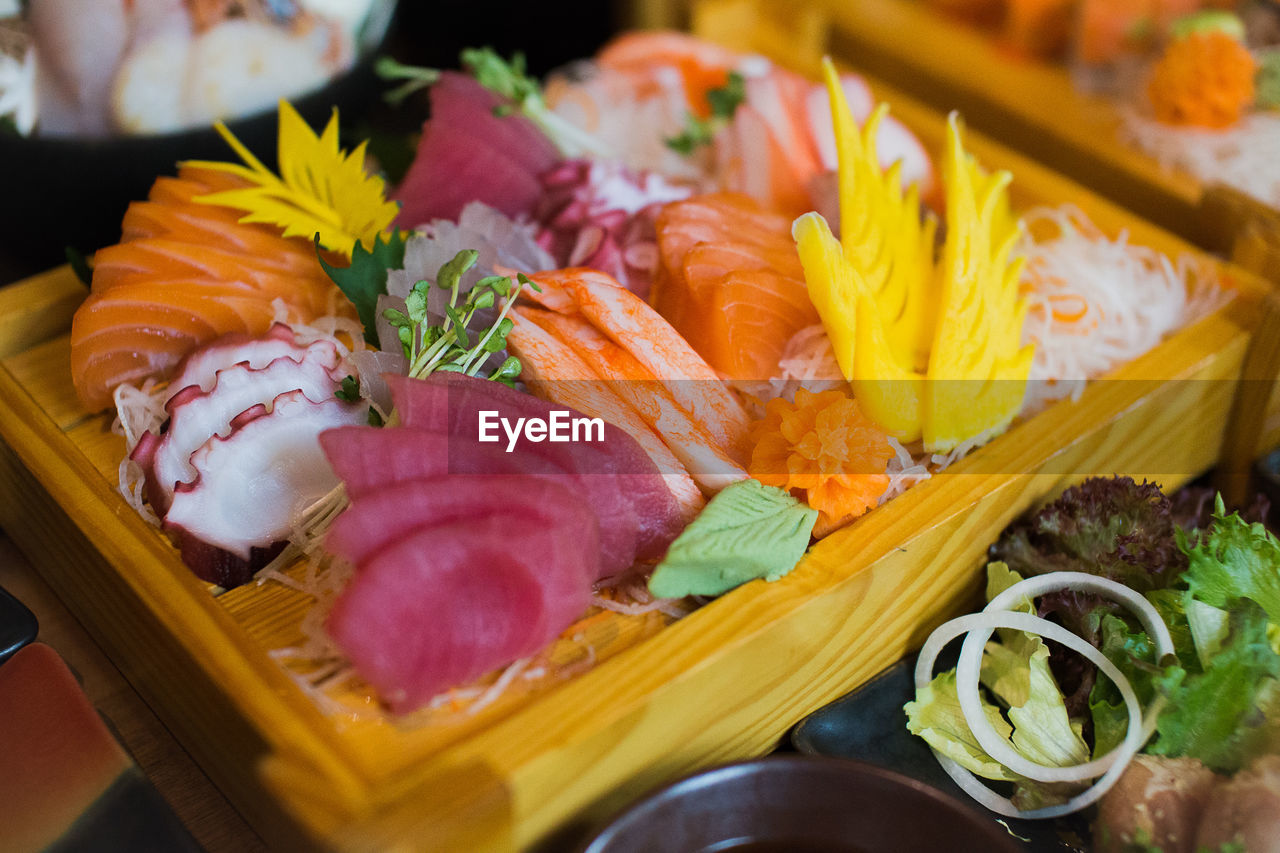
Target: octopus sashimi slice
x,y
445,604
197,414
371,460
253,484
201,367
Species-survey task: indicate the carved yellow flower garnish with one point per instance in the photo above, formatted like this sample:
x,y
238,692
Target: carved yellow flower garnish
x,y
320,191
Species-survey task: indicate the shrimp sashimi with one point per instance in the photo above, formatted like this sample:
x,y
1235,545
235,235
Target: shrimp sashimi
x,y
631,324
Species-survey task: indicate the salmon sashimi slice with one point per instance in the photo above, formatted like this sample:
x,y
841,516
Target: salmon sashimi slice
x,y
691,442
140,258
730,281
630,323
183,274
555,372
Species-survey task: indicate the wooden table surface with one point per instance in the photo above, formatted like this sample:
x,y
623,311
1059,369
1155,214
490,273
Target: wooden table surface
x,y
204,811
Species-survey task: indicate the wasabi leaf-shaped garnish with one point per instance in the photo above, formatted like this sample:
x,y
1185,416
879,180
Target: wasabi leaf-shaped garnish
x,y
747,531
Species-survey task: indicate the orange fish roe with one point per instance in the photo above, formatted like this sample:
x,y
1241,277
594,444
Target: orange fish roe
x,y
1204,79
824,446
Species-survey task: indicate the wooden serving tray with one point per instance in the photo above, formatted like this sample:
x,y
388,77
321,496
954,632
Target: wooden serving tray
x,y
1028,103
724,682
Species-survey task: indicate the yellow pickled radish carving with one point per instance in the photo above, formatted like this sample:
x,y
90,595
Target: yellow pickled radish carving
x,y
897,317
882,232
977,366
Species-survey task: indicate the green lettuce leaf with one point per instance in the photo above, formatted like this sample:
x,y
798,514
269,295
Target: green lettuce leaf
x,y
1234,559
747,531
1230,711
935,715
1133,654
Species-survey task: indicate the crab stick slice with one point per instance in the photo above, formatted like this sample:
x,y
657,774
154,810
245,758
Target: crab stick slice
x,y
691,443
553,371
629,322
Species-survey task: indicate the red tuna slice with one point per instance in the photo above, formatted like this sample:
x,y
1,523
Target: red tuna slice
x,y
445,604
378,519
467,153
253,485
450,171
452,402
373,461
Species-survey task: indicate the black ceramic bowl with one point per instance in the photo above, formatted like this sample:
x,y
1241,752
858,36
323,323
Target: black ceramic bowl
x,y
63,191
800,804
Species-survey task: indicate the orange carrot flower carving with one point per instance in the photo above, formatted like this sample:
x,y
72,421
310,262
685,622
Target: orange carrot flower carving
x,y
825,447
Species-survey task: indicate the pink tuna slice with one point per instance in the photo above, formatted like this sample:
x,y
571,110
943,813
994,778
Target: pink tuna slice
x,y
376,520
196,415
376,461
252,485
469,154
445,604
451,402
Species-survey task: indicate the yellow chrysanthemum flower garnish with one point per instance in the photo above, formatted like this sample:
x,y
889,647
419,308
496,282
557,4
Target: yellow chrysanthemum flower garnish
x,y
321,192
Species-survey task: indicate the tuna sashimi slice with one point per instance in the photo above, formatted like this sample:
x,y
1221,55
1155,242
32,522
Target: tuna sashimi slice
x,y
368,460
378,519
445,604
467,153
451,402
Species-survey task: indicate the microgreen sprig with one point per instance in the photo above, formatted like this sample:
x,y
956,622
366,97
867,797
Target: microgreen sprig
x,y
449,346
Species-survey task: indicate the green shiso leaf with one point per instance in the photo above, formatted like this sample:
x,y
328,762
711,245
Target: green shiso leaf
x,y
366,277
748,531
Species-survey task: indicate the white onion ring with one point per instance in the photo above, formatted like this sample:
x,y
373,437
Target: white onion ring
x,y
969,666
979,627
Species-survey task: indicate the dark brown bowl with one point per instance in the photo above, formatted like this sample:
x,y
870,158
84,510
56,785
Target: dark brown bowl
x,y
64,192
800,804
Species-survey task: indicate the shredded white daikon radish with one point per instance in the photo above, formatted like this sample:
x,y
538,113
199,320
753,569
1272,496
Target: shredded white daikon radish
x,y
1096,303
999,613
138,410
904,471
330,327
498,687
631,597
1243,156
